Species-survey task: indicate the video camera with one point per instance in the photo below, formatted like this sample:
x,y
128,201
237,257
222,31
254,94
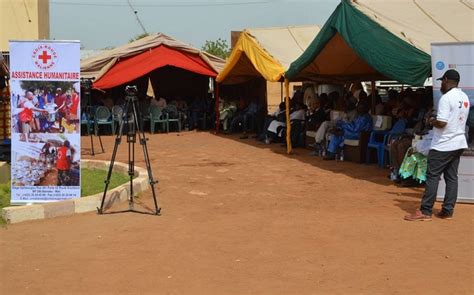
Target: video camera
x,y
87,83
131,90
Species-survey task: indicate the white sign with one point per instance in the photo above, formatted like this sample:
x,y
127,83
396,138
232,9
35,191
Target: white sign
x,y
46,138
460,57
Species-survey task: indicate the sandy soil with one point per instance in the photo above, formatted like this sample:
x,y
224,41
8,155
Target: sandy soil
x,y
244,218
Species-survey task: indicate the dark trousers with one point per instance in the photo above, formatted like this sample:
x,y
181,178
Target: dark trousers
x,y
245,119
445,163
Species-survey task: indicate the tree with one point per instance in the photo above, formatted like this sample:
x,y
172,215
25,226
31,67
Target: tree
x,y
138,37
218,48
50,85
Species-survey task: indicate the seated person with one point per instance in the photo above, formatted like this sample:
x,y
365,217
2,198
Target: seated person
x,y
379,107
321,133
399,146
197,109
274,130
227,110
316,115
349,130
244,117
278,115
161,102
182,107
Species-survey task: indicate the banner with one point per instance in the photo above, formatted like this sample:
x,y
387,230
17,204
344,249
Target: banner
x,y
45,121
460,57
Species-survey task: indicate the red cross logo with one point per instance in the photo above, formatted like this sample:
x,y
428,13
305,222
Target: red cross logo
x,y
44,56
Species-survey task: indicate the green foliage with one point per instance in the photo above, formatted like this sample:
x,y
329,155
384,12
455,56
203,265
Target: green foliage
x,y
92,181
218,48
50,85
138,37
5,192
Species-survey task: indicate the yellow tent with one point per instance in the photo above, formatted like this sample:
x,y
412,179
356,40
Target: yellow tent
x,y
266,53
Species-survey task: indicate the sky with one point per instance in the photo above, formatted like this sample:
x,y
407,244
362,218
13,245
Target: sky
x,y
110,23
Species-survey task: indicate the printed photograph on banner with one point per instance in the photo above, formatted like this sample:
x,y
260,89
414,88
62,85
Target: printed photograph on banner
x,y
45,107
45,160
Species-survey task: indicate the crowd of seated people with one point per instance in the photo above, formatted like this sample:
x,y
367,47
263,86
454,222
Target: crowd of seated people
x,y
274,125
348,130
239,115
406,109
275,128
189,111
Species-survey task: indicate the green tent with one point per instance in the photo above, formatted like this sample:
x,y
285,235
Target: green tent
x,y
376,40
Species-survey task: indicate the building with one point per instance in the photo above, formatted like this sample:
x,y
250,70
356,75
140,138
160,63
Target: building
x,y
23,20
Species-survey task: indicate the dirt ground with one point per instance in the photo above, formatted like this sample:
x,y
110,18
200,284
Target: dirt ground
x,y
244,218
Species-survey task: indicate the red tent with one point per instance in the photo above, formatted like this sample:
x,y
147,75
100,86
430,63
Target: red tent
x,y
173,67
139,65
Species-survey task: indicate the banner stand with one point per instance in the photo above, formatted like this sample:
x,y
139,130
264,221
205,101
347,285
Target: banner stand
x,y
458,56
45,121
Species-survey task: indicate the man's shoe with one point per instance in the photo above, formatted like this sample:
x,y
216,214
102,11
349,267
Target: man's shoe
x,y
418,216
444,215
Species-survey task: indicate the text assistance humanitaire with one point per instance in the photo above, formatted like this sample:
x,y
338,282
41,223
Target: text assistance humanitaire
x,y
45,75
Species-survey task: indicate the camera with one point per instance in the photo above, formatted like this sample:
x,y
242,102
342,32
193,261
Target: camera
x,y
131,90
87,82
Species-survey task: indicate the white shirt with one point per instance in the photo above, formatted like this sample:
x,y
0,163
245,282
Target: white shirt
x,y
453,108
298,115
28,104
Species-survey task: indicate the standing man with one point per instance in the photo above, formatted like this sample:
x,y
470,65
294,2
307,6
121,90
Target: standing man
x,y
74,111
449,141
60,101
26,115
63,163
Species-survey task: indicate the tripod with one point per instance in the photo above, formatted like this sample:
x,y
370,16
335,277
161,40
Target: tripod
x,y
129,117
87,85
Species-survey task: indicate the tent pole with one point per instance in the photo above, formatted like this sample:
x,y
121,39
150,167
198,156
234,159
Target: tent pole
x,y
288,122
218,121
281,91
373,97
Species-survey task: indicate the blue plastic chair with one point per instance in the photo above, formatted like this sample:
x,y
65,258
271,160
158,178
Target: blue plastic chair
x,y
88,120
103,117
379,146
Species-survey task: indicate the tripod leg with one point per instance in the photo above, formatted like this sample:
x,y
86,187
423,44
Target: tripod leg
x,y
118,139
101,145
131,162
92,145
142,139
